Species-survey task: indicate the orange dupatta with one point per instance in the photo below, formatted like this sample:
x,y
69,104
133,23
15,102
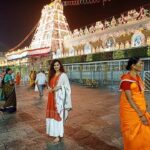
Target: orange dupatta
x,y
51,111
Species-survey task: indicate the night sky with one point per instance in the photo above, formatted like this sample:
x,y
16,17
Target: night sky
x,y
18,17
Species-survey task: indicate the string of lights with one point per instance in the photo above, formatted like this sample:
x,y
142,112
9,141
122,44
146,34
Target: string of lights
x,y
84,2
25,39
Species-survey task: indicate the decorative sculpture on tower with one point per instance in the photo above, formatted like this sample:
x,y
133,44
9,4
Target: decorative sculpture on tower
x,y
52,28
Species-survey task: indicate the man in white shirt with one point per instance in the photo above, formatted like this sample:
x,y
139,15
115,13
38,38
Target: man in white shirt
x,y
40,82
12,75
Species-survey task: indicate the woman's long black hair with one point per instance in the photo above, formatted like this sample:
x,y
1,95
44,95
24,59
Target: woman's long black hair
x,y
52,70
131,61
7,70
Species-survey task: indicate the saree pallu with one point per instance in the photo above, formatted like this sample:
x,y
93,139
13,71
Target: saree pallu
x,y
1,94
136,135
51,111
10,95
54,121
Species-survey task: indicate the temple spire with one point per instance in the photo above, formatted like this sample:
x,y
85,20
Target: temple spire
x,y
52,28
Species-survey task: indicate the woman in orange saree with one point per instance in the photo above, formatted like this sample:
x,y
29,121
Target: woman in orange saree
x,y
32,78
18,78
59,101
135,120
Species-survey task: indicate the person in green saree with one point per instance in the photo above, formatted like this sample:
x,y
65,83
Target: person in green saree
x,y
1,90
9,93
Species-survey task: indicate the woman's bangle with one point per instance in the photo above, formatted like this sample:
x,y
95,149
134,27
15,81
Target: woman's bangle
x,y
142,115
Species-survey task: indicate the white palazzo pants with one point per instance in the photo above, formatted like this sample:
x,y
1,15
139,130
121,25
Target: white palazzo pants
x,y
55,128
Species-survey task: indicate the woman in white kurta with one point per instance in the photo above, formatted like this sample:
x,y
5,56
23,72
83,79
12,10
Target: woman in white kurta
x,y
59,101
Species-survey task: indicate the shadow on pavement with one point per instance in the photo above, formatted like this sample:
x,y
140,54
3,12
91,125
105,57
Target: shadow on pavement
x,y
59,146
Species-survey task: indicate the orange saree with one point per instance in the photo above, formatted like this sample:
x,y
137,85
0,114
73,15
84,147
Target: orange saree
x,y
18,79
136,135
51,111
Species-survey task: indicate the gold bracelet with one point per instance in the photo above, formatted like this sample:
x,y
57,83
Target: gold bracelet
x,y
142,115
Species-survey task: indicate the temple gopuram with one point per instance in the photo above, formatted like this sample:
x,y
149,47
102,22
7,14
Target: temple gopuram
x,y
48,37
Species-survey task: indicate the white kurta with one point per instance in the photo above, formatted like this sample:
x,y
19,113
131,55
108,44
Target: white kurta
x,y
63,101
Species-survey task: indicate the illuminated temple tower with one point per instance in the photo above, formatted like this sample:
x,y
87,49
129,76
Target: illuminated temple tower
x,y
52,28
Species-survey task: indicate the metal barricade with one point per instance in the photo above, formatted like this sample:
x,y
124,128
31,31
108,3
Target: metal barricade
x,y
146,77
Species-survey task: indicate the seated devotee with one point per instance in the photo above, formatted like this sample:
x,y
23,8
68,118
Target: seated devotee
x,y
122,19
99,26
143,13
106,24
135,14
113,22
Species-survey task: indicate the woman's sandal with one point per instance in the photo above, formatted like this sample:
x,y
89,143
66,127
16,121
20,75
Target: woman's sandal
x,y
56,140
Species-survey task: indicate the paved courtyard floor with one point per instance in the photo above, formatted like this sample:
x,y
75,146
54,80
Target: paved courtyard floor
x,y
93,123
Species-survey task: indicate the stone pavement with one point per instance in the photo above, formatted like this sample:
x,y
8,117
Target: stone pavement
x,y
93,123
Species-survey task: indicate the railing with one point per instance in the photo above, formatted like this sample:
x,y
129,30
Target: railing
x,y
103,74
147,80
